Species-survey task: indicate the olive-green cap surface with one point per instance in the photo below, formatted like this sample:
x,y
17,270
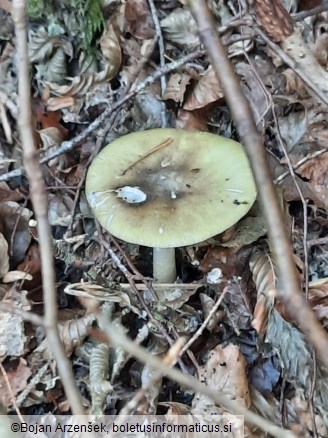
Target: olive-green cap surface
x,y
168,188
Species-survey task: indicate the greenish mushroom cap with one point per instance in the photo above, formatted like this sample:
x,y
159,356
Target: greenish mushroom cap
x,y
168,188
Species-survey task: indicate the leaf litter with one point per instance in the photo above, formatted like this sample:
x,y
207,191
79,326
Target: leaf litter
x,y
250,349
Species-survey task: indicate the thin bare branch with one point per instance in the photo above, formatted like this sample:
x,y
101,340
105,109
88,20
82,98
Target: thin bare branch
x,y
160,42
204,325
299,16
40,203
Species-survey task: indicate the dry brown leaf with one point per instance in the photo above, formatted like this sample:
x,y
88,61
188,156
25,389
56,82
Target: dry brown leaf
x,y
305,417
288,188
17,377
175,297
207,90
52,137
111,50
320,48
316,172
12,331
58,103
207,305
72,334
247,231
255,93
225,372
79,85
264,277
318,297
175,408
191,121
239,310
100,387
298,50
176,87
32,265
13,276
294,84
60,208
100,293
181,28
296,359
219,257
6,194
138,19
41,45
152,389
14,222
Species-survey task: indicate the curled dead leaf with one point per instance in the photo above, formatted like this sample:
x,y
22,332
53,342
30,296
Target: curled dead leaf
x,y
138,19
100,387
207,305
15,224
52,137
13,276
176,87
181,28
224,371
262,268
111,50
17,377
207,90
191,121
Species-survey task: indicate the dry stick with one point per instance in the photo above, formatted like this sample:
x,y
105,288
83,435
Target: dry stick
x,y
118,339
308,157
304,203
40,204
317,242
288,287
67,146
312,396
161,53
204,325
317,10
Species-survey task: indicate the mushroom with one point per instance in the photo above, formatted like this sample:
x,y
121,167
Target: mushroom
x,y
166,188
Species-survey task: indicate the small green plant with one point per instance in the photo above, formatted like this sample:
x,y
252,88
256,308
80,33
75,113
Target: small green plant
x,y
80,19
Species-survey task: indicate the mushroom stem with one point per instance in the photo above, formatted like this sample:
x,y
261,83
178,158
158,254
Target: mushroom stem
x,y
164,265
